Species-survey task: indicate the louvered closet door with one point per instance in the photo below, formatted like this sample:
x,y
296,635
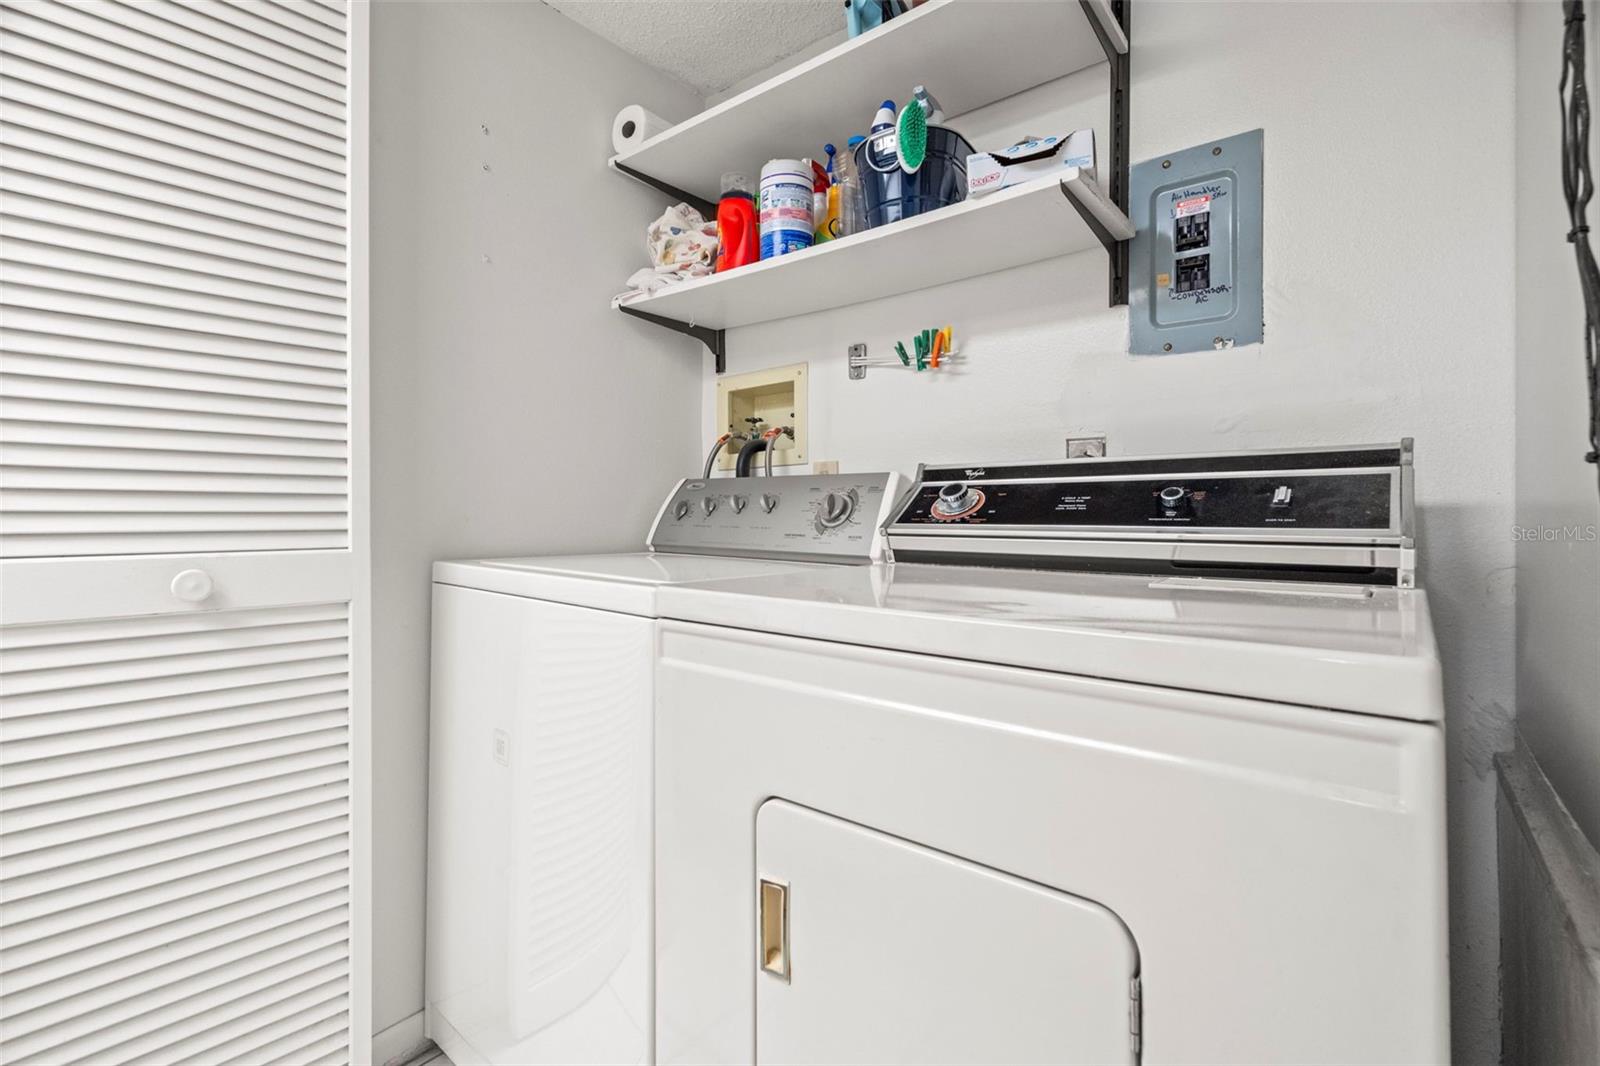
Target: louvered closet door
x,y
176,771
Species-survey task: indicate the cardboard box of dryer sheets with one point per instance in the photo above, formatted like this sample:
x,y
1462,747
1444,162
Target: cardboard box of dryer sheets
x,y
1033,158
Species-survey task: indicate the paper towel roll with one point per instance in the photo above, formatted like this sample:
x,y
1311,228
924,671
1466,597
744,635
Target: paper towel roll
x,y
633,126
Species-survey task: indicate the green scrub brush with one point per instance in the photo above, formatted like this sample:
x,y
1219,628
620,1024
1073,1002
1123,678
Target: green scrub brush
x,y
911,136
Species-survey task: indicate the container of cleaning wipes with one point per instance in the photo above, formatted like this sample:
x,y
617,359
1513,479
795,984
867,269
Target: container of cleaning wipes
x,y
786,207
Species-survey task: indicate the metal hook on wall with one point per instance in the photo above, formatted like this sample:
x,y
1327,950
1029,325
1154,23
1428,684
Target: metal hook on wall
x,y
934,349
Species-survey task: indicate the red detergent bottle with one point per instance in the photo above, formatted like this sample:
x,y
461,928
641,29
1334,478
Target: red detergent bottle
x,y
738,225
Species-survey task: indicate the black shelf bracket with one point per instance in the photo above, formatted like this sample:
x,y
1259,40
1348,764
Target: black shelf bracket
x,y
714,339
707,209
1121,112
1103,235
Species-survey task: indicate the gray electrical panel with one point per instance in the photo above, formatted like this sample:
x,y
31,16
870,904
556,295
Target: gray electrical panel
x,y
1195,262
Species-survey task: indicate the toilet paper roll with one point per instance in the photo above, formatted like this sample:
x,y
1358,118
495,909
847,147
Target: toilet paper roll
x,y
633,126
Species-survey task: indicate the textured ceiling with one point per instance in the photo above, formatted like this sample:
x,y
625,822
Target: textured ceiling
x,y
708,44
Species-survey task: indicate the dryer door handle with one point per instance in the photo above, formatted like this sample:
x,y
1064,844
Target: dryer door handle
x,y
774,915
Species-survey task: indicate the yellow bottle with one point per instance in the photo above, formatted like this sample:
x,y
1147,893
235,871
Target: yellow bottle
x,y
827,220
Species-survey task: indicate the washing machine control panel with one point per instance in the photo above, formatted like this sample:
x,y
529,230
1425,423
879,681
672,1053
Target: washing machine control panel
x,y
829,517
1333,511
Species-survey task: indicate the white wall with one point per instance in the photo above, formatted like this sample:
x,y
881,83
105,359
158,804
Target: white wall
x,y
1389,313
513,411
1558,580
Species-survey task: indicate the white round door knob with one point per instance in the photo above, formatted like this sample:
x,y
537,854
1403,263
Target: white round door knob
x,y
192,586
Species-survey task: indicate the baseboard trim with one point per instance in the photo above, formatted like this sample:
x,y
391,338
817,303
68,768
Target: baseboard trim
x,y
401,1042
452,1043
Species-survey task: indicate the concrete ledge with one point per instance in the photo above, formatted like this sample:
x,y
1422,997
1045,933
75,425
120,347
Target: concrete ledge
x,y
1549,922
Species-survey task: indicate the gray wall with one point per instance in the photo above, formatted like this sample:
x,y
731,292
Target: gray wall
x,y
1558,494
513,411
1389,310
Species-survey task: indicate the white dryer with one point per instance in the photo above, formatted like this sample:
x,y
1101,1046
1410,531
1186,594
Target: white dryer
x,y
539,905
1119,761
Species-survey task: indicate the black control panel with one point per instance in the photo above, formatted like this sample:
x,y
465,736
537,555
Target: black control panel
x,y
1387,456
1324,515
1330,500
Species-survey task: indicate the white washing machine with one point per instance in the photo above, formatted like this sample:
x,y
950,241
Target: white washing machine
x,y
540,772
1119,761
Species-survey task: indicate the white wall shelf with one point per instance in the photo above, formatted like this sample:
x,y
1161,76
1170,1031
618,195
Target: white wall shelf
x,y
968,52
1025,224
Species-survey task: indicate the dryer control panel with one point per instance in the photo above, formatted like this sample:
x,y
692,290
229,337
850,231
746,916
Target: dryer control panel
x,y
826,518
1362,501
1335,514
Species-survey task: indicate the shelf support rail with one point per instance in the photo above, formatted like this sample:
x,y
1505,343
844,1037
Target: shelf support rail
x,y
714,339
1116,250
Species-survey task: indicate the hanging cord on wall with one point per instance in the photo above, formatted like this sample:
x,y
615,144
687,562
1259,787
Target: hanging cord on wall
x,y
1577,181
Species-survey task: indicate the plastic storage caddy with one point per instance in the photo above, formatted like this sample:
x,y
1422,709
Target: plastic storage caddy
x,y
890,194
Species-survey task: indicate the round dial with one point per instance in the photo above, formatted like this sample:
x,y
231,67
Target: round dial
x,y
680,510
836,509
1173,498
957,500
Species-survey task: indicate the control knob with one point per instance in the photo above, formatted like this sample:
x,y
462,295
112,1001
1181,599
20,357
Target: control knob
x,y
1173,499
738,503
836,509
680,510
956,498
768,502
709,504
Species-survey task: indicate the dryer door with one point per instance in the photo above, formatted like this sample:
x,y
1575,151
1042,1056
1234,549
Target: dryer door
x,y
876,950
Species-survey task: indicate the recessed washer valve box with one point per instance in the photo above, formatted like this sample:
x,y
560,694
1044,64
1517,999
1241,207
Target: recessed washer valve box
x,y
1195,262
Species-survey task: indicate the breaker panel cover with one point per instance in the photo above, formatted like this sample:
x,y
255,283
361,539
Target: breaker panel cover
x,y
1195,262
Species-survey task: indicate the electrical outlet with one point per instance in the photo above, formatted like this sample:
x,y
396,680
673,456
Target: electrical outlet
x,y
825,466
1086,447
